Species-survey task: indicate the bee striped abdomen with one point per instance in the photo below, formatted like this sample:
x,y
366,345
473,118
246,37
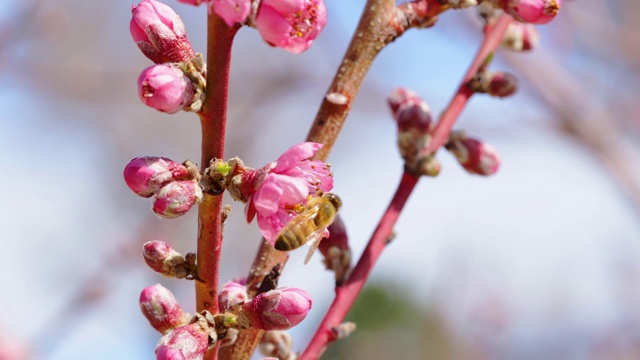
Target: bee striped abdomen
x,y
290,237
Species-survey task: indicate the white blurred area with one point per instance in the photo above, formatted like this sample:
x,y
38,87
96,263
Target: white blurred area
x,y
541,261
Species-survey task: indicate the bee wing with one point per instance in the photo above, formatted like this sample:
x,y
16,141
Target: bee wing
x,y
314,240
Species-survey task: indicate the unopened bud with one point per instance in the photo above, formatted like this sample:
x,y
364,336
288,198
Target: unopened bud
x,y
497,83
165,88
278,309
187,342
159,33
277,344
401,96
414,116
502,84
475,156
146,175
161,308
521,37
532,11
231,295
176,198
162,258
336,250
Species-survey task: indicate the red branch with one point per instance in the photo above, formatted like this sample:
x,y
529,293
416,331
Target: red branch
x,y
213,118
491,41
347,294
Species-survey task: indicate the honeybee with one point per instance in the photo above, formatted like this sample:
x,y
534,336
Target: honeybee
x,y
309,225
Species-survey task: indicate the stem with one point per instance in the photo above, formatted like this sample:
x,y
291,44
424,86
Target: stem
x,y
491,41
213,118
347,294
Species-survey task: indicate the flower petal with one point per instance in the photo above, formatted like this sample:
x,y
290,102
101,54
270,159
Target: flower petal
x,y
295,154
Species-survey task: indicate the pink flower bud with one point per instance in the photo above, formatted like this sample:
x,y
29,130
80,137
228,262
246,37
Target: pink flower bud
x,y
401,96
146,175
187,342
502,84
414,116
232,11
165,88
176,198
291,25
475,156
231,294
278,309
160,33
162,258
161,308
336,250
532,11
521,37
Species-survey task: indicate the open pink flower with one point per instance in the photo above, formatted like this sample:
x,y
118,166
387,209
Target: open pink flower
x,y
291,24
281,185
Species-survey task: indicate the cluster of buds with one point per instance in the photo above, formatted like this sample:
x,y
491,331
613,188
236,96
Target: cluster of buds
x,y
176,82
413,118
183,338
278,309
290,25
274,192
495,83
163,259
336,250
475,156
174,186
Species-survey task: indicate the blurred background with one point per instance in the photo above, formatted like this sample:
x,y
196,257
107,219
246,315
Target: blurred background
x,y
540,261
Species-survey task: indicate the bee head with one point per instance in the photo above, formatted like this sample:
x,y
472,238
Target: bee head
x,y
333,199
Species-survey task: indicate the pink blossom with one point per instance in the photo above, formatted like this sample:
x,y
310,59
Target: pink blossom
x,y
187,342
291,24
146,175
232,11
278,309
161,308
532,11
176,198
159,33
283,184
165,88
